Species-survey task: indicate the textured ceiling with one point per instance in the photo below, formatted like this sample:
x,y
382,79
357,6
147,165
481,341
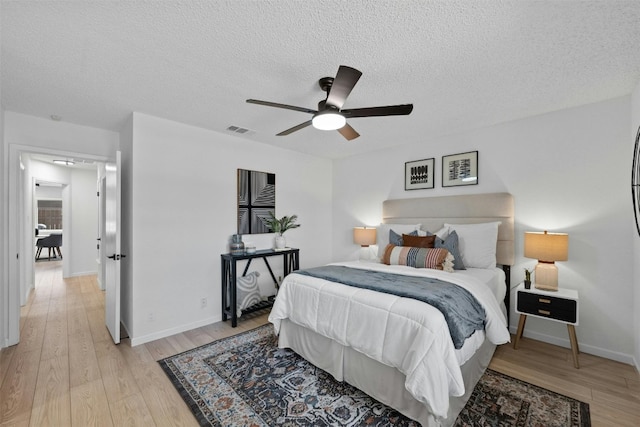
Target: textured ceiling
x,y
463,64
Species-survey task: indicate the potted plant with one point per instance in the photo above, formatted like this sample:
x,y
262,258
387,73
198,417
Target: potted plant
x,y
279,226
527,278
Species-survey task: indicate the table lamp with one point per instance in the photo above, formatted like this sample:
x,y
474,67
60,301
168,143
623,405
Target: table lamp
x,y
547,248
364,236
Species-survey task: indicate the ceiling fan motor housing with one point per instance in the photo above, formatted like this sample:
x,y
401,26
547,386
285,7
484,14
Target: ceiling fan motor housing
x,y
325,83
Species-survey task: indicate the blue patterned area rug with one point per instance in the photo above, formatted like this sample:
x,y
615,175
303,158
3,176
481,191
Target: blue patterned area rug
x,y
246,380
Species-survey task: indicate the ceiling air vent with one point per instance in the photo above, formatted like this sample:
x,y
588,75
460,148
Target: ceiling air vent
x,y
239,130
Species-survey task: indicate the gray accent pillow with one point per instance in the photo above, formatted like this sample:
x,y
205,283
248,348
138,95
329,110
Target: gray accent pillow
x,y
396,239
451,244
247,291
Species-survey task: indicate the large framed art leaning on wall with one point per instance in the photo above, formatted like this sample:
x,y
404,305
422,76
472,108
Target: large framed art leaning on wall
x,y
256,198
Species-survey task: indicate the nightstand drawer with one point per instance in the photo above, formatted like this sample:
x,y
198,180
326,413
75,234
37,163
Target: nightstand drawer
x,y
548,306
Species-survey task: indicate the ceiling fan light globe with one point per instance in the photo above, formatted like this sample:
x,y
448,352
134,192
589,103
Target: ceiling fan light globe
x,y
328,121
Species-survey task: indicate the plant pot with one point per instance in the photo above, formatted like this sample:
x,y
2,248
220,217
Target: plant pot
x,y
280,241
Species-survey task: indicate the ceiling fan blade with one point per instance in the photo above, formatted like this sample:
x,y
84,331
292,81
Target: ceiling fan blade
x,y
285,106
343,83
295,128
348,132
390,110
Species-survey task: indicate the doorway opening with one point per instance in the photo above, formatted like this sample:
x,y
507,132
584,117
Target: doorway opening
x,y
48,220
28,165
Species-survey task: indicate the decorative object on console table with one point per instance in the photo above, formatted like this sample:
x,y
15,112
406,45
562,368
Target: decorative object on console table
x,y
236,247
527,278
291,262
365,237
546,248
460,169
560,306
279,226
419,174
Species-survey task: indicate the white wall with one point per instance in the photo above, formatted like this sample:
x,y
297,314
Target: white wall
x,y
568,171
126,206
48,192
635,124
183,195
4,228
35,132
84,223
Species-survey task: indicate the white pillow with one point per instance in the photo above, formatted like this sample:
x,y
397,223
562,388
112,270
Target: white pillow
x,y
443,232
247,291
477,243
382,234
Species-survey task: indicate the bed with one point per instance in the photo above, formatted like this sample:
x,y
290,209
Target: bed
x,y
396,349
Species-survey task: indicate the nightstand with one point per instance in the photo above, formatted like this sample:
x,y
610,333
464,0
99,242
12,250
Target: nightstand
x,y
560,306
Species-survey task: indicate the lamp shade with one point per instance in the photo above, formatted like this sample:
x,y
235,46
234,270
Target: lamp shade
x,y
364,236
328,120
544,246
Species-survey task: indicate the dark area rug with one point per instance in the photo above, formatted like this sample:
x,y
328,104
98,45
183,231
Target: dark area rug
x,y
246,380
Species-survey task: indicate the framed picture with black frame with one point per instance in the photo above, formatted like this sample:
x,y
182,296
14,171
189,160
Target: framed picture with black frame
x,y
460,169
256,198
418,175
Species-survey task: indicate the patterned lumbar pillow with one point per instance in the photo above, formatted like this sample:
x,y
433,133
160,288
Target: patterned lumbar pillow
x,y
436,258
247,291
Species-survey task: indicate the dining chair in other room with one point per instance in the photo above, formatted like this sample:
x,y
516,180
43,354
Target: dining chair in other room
x,y
54,241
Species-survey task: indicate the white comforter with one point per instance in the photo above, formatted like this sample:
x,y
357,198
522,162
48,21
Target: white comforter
x,y
406,334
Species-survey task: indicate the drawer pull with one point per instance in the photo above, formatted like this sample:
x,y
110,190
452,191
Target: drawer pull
x,y
544,300
545,312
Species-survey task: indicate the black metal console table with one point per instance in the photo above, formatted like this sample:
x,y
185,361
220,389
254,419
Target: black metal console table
x,y
291,261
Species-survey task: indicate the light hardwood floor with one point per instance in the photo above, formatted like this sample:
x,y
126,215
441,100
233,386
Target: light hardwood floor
x,y
66,372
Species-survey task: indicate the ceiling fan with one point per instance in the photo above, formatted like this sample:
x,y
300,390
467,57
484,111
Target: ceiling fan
x,y
329,115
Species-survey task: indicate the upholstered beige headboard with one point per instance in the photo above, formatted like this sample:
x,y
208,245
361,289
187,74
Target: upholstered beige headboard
x,y
433,212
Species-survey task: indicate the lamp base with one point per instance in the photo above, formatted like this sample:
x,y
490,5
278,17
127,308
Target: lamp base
x,y
365,253
546,276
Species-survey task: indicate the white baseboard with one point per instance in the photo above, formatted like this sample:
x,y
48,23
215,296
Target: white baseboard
x,y
85,273
584,348
172,331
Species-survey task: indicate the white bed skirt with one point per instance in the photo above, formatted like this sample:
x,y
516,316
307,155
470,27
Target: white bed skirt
x,y
382,382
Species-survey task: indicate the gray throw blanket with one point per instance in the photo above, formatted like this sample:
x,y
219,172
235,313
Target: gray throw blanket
x,y
463,313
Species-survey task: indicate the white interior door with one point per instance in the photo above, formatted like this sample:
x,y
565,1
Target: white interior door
x,y
111,254
102,189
